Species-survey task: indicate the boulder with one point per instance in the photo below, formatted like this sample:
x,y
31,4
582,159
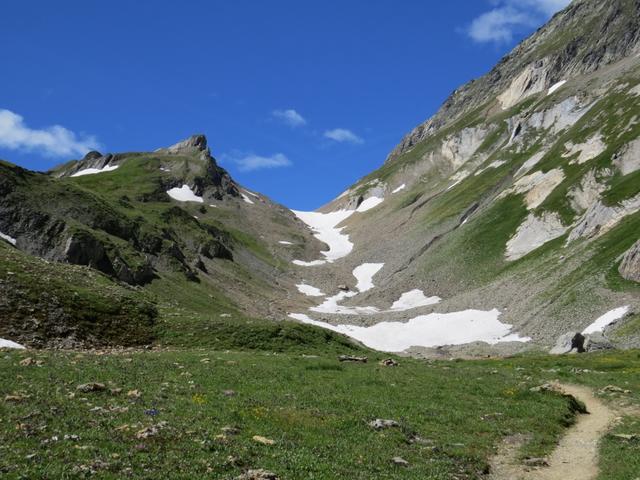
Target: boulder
x,y
596,342
569,342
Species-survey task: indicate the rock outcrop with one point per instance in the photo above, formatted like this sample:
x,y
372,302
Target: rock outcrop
x,y
630,265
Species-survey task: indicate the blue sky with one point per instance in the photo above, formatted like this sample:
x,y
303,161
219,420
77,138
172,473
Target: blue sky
x,y
298,99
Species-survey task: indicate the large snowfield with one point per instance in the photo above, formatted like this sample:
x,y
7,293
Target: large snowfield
x,y
431,330
605,320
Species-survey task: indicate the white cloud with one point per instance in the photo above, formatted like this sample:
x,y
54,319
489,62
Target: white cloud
x,y
289,117
343,135
508,16
54,141
251,162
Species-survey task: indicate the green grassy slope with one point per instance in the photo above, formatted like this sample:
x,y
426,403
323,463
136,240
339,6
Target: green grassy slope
x,y
452,415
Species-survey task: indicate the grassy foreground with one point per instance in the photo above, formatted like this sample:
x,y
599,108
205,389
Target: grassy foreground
x,y
211,414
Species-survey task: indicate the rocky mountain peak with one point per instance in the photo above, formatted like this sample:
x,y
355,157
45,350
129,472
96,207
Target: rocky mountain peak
x,y
92,155
196,142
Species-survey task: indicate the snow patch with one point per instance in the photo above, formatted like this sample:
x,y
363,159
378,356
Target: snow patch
x,y
9,344
554,88
400,188
284,242
246,199
9,239
93,171
309,290
184,194
431,330
252,194
369,203
332,305
606,319
364,274
413,299
325,229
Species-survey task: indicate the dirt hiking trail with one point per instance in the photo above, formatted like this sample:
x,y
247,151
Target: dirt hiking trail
x,y
575,457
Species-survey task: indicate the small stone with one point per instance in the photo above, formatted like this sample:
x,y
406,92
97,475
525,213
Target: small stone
x,y
536,462
401,462
389,362
629,437
419,440
614,389
91,387
230,430
380,424
259,474
263,440
14,398
229,393
134,394
546,387
351,358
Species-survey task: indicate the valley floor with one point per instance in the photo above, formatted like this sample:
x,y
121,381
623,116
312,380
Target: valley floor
x,y
199,413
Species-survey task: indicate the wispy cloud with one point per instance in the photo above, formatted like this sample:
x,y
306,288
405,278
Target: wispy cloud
x,y
507,17
54,141
343,135
251,162
289,117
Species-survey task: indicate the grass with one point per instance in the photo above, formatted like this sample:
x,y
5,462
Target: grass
x,y
68,301
314,409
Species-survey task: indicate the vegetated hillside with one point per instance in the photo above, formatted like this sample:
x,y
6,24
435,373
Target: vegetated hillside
x,y
168,229
521,194
214,414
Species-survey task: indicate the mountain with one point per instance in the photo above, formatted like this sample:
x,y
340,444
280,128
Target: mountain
x,y
519,199
509,218
169,229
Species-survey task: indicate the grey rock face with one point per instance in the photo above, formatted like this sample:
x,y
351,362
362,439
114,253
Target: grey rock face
x,y
630,266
